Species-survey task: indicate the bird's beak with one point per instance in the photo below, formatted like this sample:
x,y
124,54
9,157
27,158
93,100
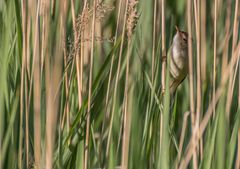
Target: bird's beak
x,y
176,28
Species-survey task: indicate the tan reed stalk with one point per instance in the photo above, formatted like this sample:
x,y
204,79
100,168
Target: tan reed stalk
x,y
112,60
185,161
36,76
90,89
199,85
238,152
126,115
82,55
214,54
203,53
66,106
24,52
203,39
198,36
49,88
239,87
154,38
131,22
120,130
190,56
227,36
53,79
189,7
76,54
53,4
28,44
116,82
234,45
36,87
164,64
164,55
26,92
186,114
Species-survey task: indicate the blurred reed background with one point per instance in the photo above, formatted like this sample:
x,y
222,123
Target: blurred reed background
x,y
81,84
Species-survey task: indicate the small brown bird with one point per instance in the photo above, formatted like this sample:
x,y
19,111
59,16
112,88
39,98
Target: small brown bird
x,y
178,57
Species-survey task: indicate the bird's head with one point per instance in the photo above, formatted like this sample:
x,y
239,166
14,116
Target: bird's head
x,y
181,37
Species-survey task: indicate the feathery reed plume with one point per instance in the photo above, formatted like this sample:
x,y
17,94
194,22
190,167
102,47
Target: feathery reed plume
x,y
132,17
102,9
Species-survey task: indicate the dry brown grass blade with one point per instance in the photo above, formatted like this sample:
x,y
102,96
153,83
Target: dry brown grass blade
x,y
26,92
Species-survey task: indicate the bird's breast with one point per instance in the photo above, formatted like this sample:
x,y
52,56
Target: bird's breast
x,y
178,63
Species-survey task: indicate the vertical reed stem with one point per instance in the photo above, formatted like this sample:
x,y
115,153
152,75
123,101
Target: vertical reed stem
x,y
214,54
24,52
127,115
154,39
192,107
90,89
164,56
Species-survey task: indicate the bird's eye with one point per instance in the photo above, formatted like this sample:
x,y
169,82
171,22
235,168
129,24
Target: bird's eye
x,y
185,39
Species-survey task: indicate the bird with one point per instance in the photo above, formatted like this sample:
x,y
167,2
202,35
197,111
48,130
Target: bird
x,y
178,60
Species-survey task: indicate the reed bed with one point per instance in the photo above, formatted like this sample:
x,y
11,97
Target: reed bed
x,y
85,84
